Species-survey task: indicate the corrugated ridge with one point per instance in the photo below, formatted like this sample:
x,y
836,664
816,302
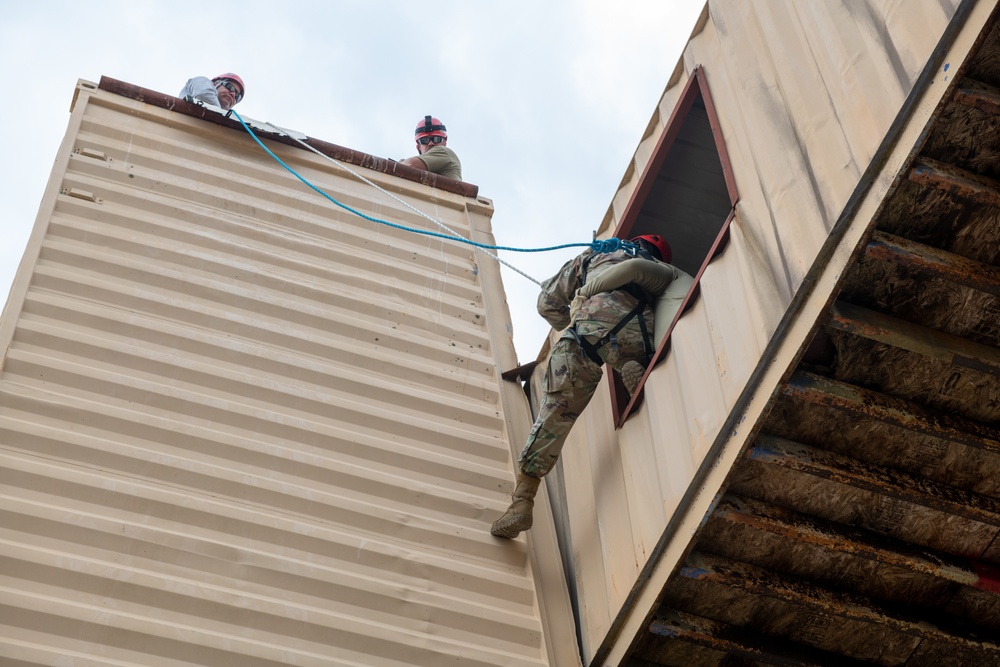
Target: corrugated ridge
x,y
325,447
266,575
292,486
48,368
289,256
102,320
184,287
257,639
61,578
423,527
312,291
221,364
322,235
169,149
239,335
226,537
142,161
405,608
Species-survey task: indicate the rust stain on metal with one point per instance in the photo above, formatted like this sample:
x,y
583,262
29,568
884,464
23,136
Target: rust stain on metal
x,y
930,343
892,483
334,151
979,96
880,407
958,182
841,604
891,331
842,539
933,262
703,632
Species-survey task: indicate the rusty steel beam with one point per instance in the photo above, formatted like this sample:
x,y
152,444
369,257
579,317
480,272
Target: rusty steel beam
x,y
865,403
953,180
978,95
334,151
934,262
760,582
820,463
521,373
734,641
838,538
913,337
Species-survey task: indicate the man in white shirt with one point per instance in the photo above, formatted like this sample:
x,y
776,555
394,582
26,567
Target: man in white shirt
x,y
224,91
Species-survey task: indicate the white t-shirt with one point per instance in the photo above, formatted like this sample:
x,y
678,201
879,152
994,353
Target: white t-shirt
x,y
200,88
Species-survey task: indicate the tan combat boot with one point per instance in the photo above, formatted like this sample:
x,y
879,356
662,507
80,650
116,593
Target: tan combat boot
x,y
518,515
632,373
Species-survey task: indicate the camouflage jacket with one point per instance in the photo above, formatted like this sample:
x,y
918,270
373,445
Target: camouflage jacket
x,y
601,312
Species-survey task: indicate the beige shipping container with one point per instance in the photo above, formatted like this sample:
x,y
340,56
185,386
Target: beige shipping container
x,y
244,426
775,140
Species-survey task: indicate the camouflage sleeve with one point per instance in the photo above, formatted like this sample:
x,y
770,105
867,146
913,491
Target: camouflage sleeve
x,y
651,275
558,291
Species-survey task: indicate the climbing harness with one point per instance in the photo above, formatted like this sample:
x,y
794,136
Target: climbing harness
x,y
642,302
598,246
592,349
451,232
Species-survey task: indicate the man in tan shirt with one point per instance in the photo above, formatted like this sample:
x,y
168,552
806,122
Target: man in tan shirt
x,y
433,152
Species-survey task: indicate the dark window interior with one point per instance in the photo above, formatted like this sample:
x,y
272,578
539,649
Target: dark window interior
x,y
688,202
687,194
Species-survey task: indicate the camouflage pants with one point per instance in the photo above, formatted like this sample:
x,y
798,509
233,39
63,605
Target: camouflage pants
x,y
568,386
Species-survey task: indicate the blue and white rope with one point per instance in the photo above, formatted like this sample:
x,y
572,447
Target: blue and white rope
x,y
600,246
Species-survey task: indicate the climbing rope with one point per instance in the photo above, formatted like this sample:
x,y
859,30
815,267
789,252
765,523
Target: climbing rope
x,y
598,246
452,233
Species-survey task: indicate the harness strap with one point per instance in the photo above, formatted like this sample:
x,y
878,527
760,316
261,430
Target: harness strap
x,y
585,345
591,349
643,299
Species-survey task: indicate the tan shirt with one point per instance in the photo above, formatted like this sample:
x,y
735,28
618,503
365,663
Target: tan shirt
x,y
442,160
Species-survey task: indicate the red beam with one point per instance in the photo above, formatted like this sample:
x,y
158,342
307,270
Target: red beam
x,y
334,151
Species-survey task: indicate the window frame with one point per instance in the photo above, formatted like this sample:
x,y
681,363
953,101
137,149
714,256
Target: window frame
x,y
695,88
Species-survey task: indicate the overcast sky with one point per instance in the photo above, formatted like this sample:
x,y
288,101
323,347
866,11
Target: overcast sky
x,y
545,101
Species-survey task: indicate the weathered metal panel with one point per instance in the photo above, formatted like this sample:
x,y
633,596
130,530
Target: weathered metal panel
x,y
587,545
240,425
805,94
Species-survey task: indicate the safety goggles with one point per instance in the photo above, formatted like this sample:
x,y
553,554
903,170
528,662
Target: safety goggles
x,y
234,89
423,141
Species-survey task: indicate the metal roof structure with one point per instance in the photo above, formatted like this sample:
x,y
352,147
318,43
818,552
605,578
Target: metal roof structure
x,y
861,524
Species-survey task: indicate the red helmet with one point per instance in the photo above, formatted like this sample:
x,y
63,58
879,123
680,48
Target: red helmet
x,y
431,127
659,243
235,79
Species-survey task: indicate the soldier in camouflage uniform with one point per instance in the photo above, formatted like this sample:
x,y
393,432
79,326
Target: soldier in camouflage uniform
x,y
573,373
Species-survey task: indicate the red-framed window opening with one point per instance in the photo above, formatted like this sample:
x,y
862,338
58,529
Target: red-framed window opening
x,y
688,195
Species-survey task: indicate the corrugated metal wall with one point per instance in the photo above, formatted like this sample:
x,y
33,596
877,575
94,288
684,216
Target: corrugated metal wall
x,y
240,426
805,92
